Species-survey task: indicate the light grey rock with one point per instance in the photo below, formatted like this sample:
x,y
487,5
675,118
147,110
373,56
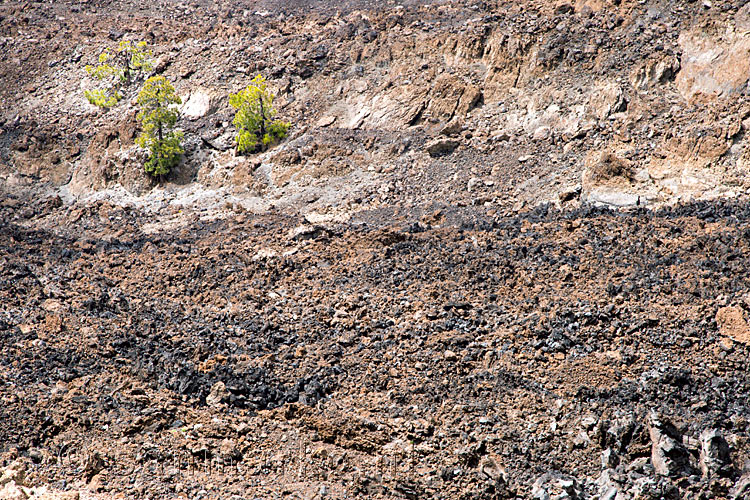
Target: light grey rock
x,y
668,456
197,105
612,198
473,183
217,395
541,133
714,453
555,485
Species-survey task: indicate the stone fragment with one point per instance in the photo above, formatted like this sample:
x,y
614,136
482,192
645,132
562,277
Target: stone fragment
x,y
610,460
556,485
742,19
441,147
569,193
326,121
197,105
491,468
654,72
741,489
732,324
473,183
15,473
668,456
453,127
612,197
608,98
541,133
452,96
306,232
217,395
714,452
11,491
93,465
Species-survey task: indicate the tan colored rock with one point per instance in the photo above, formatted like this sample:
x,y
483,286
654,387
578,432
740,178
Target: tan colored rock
x,y
654,72
607,168
217,395
453,127
15,473
732,324
606,99
452,96
441,146
713,67
11,491
325,121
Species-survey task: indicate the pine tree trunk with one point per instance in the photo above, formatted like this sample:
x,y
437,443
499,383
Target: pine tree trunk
x,y
126,65
262,119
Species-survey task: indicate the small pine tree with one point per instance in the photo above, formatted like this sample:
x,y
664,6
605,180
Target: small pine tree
x,y
158,118
254,119
117,69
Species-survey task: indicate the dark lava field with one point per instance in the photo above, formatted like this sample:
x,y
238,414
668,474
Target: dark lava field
x,y
429,353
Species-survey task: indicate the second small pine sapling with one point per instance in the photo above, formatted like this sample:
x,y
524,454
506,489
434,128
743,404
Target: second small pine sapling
x,y
158,118
254,119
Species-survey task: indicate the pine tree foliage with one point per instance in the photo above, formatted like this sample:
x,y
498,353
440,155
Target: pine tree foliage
x,y
254,119
158,117
117,69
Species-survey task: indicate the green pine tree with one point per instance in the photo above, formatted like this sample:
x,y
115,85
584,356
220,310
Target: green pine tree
x,y
158,118
117,69
254,119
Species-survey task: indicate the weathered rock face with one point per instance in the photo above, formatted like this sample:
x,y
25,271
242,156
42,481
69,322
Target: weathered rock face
x,y
557,82
712,67
450,96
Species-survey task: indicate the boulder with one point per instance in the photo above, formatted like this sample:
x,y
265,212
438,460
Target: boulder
x,y
607,98
714,453
668,456
218,394
732,324
441,147
197,105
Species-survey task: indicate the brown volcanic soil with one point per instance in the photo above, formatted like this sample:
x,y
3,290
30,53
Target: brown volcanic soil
x,y
371,309
398,355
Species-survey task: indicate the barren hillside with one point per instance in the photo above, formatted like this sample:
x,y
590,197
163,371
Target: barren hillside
x,y
503,253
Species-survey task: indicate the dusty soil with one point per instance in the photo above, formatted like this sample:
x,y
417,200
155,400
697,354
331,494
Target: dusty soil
x,y
503,254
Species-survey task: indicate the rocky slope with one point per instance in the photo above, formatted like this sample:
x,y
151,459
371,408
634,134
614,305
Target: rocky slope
x,y
476,103
423,293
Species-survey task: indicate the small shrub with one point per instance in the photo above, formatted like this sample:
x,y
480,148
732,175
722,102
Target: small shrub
x,y
158,118
254,119
117,68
